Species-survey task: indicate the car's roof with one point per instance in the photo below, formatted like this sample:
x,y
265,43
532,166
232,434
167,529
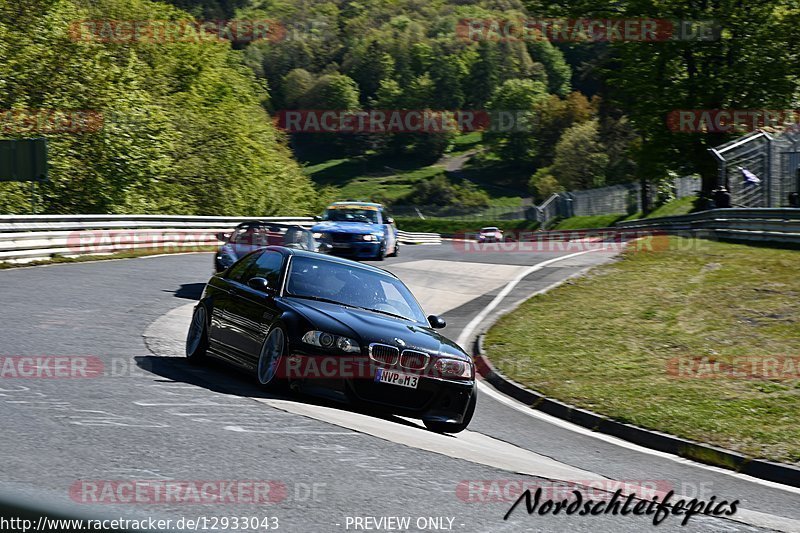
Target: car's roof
x,y
366,204
332,258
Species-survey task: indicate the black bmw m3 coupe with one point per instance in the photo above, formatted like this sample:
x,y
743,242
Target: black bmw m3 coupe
x,y
318,322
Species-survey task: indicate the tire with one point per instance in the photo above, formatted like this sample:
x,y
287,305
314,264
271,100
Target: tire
x,y
271,357
197,337
396,250
381,254
449,427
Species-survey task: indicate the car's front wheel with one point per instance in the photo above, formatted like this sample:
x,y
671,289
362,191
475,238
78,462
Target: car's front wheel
x,y
197,338
271,357
451,427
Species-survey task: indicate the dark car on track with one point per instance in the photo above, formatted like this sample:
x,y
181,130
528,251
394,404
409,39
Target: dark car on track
x,y
329,325
252,235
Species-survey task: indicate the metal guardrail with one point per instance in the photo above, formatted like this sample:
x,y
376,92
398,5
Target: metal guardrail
x,y
769,225
29,238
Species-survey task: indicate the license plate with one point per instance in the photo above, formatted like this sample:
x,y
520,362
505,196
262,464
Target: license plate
x,y
396,378
341,245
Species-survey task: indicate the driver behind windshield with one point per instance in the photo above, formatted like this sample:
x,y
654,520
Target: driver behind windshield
x,y
351,215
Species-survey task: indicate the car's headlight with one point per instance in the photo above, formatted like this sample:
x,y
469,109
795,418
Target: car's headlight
x,y
326,340
369,237
320,236
453,368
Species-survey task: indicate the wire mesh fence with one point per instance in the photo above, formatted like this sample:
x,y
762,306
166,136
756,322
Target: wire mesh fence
x,y
760,169
687,186
625,198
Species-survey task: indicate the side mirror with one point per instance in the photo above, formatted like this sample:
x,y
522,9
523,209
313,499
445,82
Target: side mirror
x,y
222,236
259,284
390,220
436,322
317,218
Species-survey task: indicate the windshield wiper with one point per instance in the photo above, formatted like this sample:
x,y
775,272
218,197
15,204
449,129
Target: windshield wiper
x,y
328,300
382,312
318,299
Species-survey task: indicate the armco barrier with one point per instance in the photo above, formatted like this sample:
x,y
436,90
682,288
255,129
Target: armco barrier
x,y
768,225
28,238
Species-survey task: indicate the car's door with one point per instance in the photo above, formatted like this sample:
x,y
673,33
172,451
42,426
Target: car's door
x,y
253,310
223,332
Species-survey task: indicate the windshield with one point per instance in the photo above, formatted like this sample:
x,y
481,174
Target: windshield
x,y
351,214
353,286
269,235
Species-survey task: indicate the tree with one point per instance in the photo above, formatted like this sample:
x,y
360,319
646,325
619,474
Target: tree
x,y
368,65
483,76
554,116
184,129
296,84
514,142
751,65
581,160
543,185
332,91
559,73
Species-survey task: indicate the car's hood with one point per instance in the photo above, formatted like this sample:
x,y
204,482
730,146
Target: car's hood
x,y
368,327
358,228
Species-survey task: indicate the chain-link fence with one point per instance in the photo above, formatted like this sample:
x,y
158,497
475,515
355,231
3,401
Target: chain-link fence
x,y
687,186
759,169
625,198
615,199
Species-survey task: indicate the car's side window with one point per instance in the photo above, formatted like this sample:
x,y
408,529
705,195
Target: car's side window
x,y
238,272
268,266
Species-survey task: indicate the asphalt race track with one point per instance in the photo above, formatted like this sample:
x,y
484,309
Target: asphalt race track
x,y
152,416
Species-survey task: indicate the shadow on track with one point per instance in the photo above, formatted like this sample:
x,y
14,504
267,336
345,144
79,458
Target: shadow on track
x,y
189,291
217,376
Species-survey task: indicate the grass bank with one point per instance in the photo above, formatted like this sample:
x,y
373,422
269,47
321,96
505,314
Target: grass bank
x,y
438,225
610,342
128,254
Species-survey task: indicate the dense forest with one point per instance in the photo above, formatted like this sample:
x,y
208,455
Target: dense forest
x,y
184,129
191,130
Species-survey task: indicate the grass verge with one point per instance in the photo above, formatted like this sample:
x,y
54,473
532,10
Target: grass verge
x,y
128,254
605,342
434,225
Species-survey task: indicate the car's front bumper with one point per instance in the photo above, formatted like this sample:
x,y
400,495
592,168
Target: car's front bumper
x,y
434,398
356,248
